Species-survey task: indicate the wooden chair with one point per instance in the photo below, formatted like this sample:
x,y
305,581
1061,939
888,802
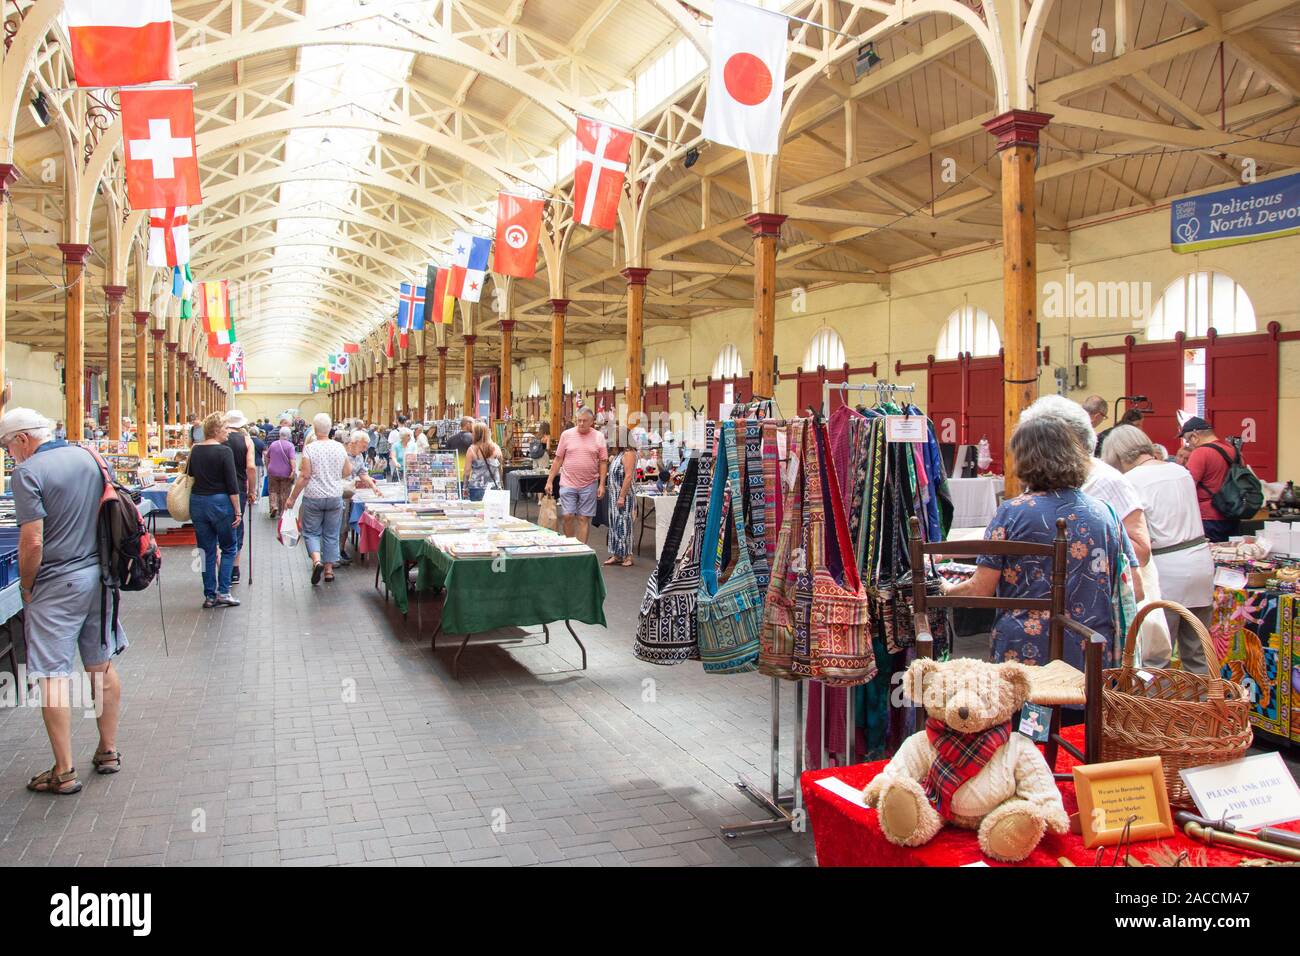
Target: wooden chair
x,y
1087,690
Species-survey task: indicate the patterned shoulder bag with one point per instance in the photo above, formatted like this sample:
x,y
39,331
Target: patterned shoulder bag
x,y
777,636
666,627
729,614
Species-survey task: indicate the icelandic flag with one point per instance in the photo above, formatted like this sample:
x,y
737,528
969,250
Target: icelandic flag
x,y
469,266
410,308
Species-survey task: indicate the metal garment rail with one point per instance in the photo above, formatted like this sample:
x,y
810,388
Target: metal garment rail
x,y
884,391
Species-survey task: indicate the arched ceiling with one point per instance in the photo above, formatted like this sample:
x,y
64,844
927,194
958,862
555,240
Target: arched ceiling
x,y
341,142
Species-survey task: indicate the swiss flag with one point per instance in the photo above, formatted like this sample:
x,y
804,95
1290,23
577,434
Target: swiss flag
x,y
519,223
746,77
123,43
601,167
162,164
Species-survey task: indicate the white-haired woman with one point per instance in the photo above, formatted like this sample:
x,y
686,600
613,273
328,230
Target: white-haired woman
x,y
1178,545
321,471
279,465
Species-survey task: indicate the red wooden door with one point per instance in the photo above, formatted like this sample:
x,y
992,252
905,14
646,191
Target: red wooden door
x,y
1241,396
984,405
1157,373
945,401
809,389
741,391
656,399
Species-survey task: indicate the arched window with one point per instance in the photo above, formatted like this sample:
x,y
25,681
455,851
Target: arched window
x,y
728,364
606,380
535,389
568,383
968,329
658,372
826,350
1197,302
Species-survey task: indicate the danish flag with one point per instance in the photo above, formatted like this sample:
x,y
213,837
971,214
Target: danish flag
x,y
602,156
169,237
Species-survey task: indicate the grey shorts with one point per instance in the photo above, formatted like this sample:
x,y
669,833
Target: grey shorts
x,y
579,501
61,618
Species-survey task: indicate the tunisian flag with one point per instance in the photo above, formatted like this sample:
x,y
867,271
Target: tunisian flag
x,y
121,42
746,77
601,167
519,223
162,163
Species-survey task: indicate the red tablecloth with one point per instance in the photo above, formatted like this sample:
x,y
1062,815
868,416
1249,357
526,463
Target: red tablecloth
x,y
848,835
369,530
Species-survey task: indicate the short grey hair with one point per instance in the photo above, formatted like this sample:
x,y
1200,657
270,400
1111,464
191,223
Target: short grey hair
x,y
322,423
1094,405
360,435
285,432
1046,455
585,410
1071,413
1126,444
466,421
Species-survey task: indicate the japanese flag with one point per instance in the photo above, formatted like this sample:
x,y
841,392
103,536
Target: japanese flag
x,y
746,77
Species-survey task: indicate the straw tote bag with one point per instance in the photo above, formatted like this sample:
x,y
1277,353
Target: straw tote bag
x,y
731,614
178,496
666,630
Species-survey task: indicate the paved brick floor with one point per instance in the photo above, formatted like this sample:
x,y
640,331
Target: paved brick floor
x,y
240,748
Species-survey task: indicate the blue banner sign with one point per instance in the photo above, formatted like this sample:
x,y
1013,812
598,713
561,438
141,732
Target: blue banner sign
x,y
1233,216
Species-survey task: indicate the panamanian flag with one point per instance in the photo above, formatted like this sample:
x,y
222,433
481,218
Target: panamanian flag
x,y
469,264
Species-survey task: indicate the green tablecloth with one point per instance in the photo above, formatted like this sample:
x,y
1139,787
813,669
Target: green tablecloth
x,y
523,591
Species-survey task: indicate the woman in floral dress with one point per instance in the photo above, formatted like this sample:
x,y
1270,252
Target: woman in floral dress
x,y
622,500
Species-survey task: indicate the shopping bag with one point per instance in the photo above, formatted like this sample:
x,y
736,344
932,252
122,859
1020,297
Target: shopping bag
x,y
1155,644
178,498
546,514
289,532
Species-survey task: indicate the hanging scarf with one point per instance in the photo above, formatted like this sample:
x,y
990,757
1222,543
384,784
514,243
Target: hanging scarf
x,y
958,757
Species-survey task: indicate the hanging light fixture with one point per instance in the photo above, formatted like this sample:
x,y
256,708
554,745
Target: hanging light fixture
x,y
40,108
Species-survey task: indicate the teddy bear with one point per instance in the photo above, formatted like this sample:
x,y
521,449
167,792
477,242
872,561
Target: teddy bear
x,y
968,767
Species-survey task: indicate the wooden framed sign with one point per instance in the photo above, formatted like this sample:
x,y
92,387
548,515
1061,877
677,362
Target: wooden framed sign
x,y
1120,794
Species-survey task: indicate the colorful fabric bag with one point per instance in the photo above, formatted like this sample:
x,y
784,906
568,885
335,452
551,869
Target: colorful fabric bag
x,y
666,631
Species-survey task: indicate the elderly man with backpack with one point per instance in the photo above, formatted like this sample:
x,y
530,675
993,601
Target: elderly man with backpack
x,y
1226,490
81,541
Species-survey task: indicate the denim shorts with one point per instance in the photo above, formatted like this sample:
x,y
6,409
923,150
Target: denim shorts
x,y
61,618
579,501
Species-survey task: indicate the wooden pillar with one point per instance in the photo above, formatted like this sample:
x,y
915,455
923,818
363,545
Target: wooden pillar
x,y
142,379
558,310
442,381
421,406
635,342
371,410
471,390
766,227
172,404
8,176
115,294
406,387
191,388
159,381
75,255
507,364
390,402
1017,135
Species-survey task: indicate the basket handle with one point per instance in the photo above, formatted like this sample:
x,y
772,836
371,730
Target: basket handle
x,y
1211,658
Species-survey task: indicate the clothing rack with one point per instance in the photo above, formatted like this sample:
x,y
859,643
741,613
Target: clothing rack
x,y
784,811
884,391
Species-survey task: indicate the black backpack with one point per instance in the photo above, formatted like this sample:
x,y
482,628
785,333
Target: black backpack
x,y
129,558
1241,494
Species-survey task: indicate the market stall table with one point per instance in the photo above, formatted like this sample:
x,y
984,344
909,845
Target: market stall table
x,y
483,594
522,482
847,834
975,500
647,501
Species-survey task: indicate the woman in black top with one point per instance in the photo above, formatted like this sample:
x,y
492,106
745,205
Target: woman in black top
x,y
214,509
245,474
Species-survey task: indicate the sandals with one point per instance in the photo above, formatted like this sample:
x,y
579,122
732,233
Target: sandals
x,y
329,576
60,784
610,562
107,761
627,562
316,571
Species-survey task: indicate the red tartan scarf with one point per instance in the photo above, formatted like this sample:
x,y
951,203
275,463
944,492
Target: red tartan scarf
x,y
959,757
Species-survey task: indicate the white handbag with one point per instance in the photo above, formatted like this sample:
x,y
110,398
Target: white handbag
x,y
1154,643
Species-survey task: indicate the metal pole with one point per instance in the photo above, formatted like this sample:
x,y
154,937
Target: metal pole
x,y
776,740
799,732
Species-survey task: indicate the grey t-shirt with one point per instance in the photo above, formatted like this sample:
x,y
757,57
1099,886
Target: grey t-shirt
x,y
62,485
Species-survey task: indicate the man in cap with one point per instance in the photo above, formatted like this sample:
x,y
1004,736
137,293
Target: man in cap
x,y
57,489
1208,462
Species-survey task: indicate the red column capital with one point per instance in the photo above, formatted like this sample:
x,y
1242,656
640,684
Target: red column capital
x,y
507,325
141,318
559,306
765,223
171,346
75,253
419,359
471,339
157,334
442,350
115,293
8,176
1017,127
635,275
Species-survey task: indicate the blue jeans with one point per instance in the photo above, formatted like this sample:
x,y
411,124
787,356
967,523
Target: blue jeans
x,y
320,527
212,516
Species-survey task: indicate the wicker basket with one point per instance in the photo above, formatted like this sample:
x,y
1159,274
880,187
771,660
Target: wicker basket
x,y
1188,720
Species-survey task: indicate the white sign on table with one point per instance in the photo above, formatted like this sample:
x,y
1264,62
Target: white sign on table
x,y
1252,792
496,504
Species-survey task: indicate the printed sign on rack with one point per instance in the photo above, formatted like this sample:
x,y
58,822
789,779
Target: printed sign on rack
x,y
1252,792
906,428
